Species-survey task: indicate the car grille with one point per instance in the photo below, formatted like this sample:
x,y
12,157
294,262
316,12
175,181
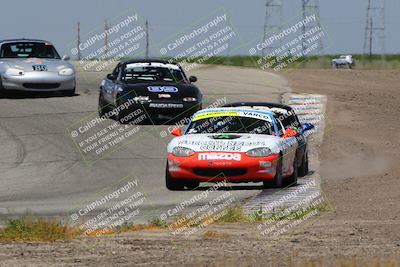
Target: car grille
x,y
227,172
41,85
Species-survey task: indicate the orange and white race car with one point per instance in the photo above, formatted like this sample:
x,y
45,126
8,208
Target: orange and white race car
x,y
232,144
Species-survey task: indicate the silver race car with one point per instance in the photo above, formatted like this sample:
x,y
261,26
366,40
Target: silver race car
x,y
34,65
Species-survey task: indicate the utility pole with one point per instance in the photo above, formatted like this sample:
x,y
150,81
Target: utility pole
x,y
273,23
311,7
147,38
375,30
106,40
78,42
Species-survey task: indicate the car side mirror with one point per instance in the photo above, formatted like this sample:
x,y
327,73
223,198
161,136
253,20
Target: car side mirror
x,y
177,132
193,79
308,126
65,57
290,132
111,77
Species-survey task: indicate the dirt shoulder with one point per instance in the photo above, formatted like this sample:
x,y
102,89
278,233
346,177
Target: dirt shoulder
x,y
359,171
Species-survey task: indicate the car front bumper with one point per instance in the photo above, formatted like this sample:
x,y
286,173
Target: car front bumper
x,y
38,82
248,169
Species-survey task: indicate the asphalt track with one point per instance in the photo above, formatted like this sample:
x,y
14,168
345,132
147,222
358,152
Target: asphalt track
x,y
42,171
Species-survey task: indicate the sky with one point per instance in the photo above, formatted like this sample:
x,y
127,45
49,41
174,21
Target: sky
x,y
342,20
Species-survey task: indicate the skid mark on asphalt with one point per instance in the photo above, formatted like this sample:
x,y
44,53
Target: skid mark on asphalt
x,y
20,151
309,108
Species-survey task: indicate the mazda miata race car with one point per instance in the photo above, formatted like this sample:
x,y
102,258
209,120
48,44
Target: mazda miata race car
x,y
34,65
159,89
233,144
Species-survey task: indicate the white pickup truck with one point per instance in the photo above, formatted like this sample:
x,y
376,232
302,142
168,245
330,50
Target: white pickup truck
x,y
346,60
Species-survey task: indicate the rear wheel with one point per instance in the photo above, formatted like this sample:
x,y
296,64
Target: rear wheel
x,y
102,106
303,169
277,182
171,183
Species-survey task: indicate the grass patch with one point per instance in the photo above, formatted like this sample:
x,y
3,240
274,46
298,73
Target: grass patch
x,y
29,229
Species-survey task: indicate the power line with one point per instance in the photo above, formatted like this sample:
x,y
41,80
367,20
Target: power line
x,y
106,39
374,35
147,39
309,8
273,22
78,42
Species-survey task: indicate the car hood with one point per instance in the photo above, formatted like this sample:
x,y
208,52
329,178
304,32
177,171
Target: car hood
x,y
226,142
53,65
153,89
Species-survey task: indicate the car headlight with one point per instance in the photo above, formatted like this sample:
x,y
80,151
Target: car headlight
x,y
259,152
66,72
189,99
14,72
181,151
141,98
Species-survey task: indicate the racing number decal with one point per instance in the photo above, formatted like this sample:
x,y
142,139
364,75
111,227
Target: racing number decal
x,y
39,67
160,89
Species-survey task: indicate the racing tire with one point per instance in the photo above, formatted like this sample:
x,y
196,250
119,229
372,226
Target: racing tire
x,y
2,91
69,92
191,185
101,106
292,179
303,168
171,183
277,182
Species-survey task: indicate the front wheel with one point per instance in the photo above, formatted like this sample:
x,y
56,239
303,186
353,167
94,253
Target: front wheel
x,y
277,182
303,169
292,179
171,183
101,106
2,91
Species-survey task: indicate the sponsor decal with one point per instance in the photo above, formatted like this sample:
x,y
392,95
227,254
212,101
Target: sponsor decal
x,y
160,89
230,113
165,105
225,136
213,114
220,156
164,96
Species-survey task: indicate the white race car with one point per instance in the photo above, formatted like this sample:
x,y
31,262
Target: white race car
x,y
233,144
34,65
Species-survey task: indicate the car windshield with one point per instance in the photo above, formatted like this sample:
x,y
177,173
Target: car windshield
x,y
136,73
227,124
28,50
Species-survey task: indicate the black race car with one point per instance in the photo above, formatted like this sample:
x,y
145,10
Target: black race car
x,y
155,89
287,116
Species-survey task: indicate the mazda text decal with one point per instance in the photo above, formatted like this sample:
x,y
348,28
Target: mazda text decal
x,y
220,156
